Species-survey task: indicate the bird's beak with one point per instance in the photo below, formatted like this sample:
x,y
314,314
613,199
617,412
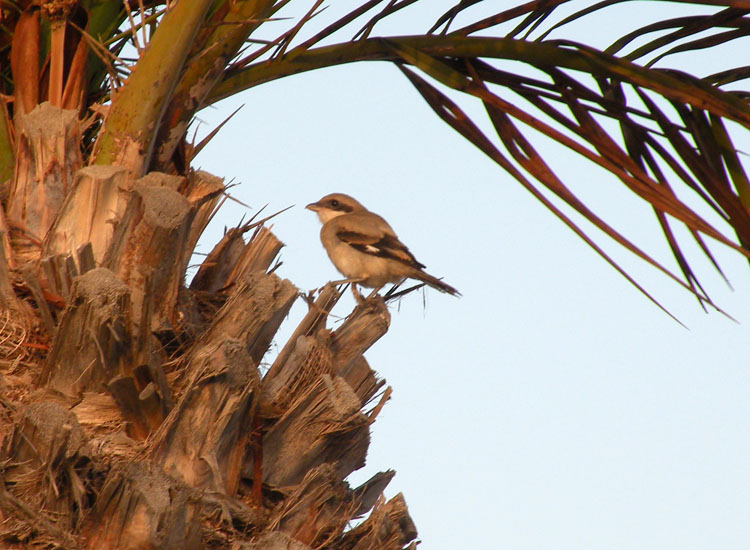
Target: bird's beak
x,y
314,206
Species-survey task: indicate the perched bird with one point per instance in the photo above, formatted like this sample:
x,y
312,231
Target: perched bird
x,y
364,248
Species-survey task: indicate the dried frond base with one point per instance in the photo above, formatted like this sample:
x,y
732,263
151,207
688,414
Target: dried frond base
x,y
25,534
20,346
389,527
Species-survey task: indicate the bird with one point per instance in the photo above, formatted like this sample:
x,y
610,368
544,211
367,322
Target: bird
x,y
364,247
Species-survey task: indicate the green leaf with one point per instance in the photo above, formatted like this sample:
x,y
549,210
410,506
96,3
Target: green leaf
x,y
226,33
136,111
7,151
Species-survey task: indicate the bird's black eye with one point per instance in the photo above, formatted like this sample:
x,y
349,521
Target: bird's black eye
x,y
334,203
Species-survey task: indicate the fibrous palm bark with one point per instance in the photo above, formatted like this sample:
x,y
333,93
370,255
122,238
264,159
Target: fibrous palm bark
x,y
151,427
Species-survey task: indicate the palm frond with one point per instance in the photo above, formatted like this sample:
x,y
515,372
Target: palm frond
x,y
673,130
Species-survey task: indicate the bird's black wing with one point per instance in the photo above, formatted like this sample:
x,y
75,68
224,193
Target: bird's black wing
x,y
383,246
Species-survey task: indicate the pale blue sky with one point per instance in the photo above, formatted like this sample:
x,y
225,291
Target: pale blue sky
x,y
553,406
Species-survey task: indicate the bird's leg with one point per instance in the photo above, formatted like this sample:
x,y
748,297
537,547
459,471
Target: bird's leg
x,y
357,296
374,292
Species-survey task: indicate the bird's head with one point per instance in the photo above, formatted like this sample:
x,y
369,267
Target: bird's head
x,y
334,205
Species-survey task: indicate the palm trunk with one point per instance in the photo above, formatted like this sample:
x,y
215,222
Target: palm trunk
x,y
135,414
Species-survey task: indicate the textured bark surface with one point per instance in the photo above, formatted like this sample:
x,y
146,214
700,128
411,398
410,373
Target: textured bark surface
x,y
141,507
147,252
207,451
47,158
46,465
8,299
388,527
93,342
90,211
137,413
323,426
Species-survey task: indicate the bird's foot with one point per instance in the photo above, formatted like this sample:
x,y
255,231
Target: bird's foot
x,y
353,282
373,293
357,296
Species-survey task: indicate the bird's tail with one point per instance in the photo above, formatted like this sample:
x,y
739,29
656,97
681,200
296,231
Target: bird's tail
x,y
436,283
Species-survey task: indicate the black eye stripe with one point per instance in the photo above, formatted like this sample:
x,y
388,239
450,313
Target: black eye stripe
x,y
336,204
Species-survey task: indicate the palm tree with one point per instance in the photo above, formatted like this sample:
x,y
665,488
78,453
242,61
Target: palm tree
x,y
134,414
